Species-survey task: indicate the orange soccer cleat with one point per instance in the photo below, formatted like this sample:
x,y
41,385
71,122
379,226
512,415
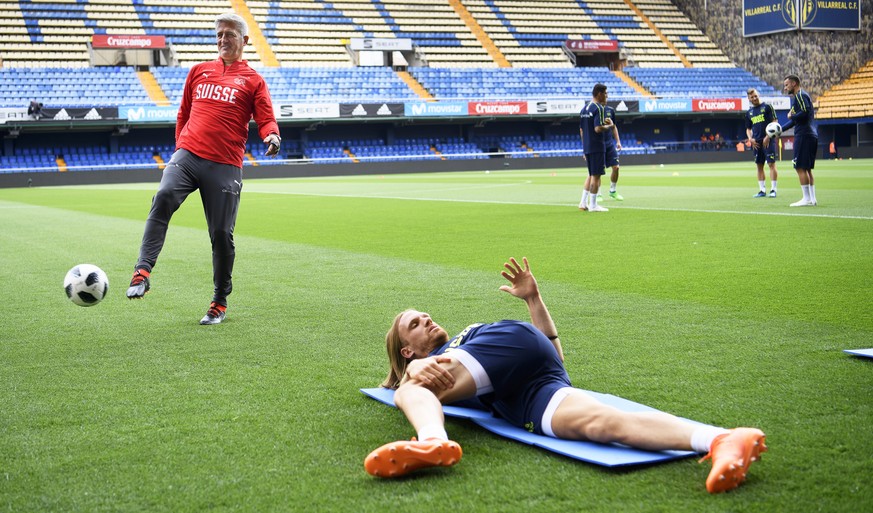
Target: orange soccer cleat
x,y
400,458
732,453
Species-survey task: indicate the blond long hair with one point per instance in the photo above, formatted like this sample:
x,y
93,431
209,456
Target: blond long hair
x,y
393,345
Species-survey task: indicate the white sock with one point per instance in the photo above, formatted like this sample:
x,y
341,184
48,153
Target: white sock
x,y
593,201
773,185
762,185
812,193
702,437
612,186
432,431
584,202
805,189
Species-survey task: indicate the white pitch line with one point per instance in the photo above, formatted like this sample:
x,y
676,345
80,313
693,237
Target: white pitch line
x,y
708,211
413,191
480,187
535,203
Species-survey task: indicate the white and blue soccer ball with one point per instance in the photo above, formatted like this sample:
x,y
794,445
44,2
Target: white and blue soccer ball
x,y
86,285
773,129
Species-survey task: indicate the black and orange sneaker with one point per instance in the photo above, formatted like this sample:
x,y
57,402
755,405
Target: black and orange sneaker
x,y
732,453
215,314
139,284
400,458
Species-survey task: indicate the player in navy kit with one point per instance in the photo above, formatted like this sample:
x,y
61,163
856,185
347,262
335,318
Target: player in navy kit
x,y
612,141
516,370
759,115
801,117
593,122
220,98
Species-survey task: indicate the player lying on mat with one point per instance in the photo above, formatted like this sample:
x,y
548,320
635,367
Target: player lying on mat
x,y
516,370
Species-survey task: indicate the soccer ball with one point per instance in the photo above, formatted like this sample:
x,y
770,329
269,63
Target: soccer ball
x,y
773,129
86,285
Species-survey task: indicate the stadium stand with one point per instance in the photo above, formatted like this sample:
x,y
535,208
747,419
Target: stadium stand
x,y
850,99
328,152
438,30
470,50
530,33
454,148
71,87
308,33
188,27
171,81
297,30
695,48
565,145
529,36
30,159
38,34
651,33
90,158
519,83
331,84
699,82
821,58
319,84
402,149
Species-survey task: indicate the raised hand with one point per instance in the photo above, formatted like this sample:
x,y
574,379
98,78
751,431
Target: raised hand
x,y
524,285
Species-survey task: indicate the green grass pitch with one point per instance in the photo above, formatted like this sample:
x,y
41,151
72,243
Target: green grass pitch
x,y
689,296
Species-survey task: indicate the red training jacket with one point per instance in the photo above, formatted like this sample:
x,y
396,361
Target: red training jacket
x,y
217,104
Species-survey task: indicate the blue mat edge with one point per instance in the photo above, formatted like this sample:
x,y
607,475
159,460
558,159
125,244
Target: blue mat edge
x,y
598,454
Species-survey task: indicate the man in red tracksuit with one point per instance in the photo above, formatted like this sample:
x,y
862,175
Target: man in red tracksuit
x,y
219,100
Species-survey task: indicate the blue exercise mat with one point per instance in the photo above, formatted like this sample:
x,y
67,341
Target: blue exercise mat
x,y
860,352
608,455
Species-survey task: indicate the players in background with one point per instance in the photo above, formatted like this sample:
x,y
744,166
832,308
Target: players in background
x,y
219,99
759,115
612,143
801,117
613,146
593,122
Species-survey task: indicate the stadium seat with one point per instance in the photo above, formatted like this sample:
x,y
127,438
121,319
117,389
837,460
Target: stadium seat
x,y
699,82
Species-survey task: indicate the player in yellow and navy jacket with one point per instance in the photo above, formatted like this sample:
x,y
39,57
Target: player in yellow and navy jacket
x,y
801,118
593,126
759,115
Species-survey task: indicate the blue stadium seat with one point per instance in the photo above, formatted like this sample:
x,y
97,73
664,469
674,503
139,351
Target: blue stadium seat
x,y
519,83
699,82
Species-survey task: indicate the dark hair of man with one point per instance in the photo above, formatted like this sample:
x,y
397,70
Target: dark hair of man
x,y
793,78
598,88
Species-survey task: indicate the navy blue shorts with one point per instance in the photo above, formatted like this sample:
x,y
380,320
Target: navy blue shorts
x,y
596,163
805,149
767,154
611,155
522,366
